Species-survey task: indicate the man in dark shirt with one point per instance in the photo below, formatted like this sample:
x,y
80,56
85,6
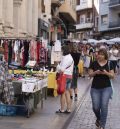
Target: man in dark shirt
x,y
76,57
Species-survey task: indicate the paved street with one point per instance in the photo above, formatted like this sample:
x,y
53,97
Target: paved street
x,y
45,118
85,119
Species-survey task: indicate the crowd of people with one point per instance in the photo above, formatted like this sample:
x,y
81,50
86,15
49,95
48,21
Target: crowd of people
x,y
100,62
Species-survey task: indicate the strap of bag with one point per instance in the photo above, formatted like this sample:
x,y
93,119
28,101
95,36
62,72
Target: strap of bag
x,y
70,65
109,65
111,82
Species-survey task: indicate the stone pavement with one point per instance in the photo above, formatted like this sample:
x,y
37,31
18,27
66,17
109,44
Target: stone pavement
x,y
45,118
85,119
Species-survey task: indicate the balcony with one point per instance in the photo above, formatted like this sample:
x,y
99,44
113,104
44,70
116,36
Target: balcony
x,y
115,24
114,3
67,12
85,5
84,26
56,3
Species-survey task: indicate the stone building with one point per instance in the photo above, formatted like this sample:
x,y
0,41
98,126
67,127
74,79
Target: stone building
x,y
31,18
18,18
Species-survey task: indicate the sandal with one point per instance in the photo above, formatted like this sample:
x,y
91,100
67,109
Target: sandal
x,y
59,111
67,112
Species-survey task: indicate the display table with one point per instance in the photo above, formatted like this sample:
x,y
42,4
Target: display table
x,y
51,84
32,91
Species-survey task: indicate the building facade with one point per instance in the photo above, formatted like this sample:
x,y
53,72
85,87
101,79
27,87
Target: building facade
x,y
87,18
18,18
109,18
63,19
31,18
44,16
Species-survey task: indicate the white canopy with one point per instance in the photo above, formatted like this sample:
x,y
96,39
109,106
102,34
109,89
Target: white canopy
x,y
115,40
102,41
92,41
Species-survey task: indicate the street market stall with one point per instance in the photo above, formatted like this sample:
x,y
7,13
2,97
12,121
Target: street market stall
x,y
22,92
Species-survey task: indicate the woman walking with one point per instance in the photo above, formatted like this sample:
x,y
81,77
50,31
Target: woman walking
x,y
76,57
102,71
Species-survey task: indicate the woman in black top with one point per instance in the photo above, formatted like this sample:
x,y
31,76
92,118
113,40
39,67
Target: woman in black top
x,y
101,70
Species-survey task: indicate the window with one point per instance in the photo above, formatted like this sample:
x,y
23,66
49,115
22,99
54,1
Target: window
x,y
78,2
104,19
105,1
83,1
82,19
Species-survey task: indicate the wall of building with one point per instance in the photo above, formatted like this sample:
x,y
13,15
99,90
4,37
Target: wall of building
x,y
18,18
113,15
104,10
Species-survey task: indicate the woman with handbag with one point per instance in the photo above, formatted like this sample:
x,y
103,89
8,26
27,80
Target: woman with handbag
x,y
66,67
101,89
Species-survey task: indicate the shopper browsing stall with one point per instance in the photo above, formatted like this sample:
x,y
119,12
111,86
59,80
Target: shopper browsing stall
x,y
66,67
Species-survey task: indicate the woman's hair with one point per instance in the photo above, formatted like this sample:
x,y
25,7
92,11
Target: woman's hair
x,y
103,51
75,48
65,50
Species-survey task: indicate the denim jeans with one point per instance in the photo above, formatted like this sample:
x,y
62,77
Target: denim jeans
x,y
100,100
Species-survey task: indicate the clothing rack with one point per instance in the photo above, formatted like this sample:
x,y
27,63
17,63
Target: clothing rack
x,y
21,38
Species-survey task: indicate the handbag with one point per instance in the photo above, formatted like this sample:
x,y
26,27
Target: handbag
x,y
61,83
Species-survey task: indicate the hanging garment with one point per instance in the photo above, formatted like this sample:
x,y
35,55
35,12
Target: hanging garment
x,y
6,50
42,55
55,55
16,49
38,53
7,88
26,52
10,52
33,50
22,56
57,46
